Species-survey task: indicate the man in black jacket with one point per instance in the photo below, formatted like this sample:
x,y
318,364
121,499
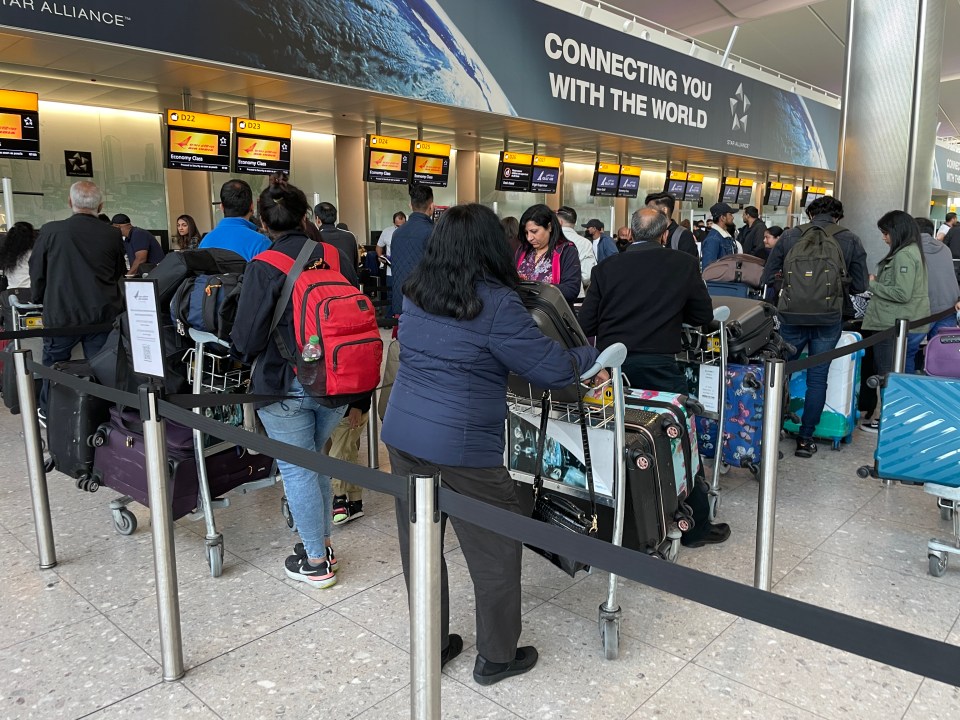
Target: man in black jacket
x,y
752,236
678,237
952,241
75,272
326,216
647,316
410,240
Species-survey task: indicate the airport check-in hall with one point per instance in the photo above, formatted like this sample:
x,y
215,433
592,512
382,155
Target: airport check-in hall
x,y
322,320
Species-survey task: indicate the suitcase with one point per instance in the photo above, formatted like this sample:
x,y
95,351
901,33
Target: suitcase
x,y
652,506
728,289
942,357
555,318
8,381
72,419
919,418
840,412
739,269
750,328
742,420
119,463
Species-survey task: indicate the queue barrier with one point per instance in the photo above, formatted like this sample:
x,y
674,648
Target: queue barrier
x,y
906,651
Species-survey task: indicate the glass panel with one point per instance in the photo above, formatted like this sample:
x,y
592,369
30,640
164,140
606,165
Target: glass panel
x,y
577,180
127,165
504,204
384,199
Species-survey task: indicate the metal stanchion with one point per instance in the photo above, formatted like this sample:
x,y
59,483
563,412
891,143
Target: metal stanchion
x,y
767,508
8,202
33,446
424,597
900,346
373,433
161,517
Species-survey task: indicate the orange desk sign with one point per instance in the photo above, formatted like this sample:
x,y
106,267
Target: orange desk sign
x,y
431,148
262,128
188,141
201,121
382,142
633,170
16,100
546,161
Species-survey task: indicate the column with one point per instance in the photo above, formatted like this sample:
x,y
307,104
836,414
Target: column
x,y
889,117
468,177
188,193
351,190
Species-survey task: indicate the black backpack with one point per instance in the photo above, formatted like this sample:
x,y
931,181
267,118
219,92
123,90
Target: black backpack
x,y
814,277
207,303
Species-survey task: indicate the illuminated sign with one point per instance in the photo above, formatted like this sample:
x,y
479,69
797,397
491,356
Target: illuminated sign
x,y
19,125
431,163
196,141
514,171
387,160
546,174
262,147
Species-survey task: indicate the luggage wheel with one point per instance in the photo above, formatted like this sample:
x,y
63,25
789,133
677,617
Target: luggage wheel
x,y
609,622
215,558
938,563
866,471
124,521
673,550
99,438
49,465
641,460
946,513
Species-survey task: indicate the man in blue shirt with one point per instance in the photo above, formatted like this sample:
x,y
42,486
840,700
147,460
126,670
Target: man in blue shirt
x,y
718,242
603,246
410,239
235,232
140,246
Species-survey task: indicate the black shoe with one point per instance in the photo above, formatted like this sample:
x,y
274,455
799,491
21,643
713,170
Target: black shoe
x,y
717,533
452,650
805,448
488,673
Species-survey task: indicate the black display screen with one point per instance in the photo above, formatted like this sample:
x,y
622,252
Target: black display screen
x,y
693,191
744,195
514,177
629,186
676,188
545,180
729,195
605,184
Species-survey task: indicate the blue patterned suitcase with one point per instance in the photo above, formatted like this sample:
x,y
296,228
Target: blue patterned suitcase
x,y
919,440
742,419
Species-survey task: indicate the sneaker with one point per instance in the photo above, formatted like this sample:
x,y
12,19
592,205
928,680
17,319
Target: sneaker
x,y
870,426
319,575
339,505
488,673
805,448
301,552
347,511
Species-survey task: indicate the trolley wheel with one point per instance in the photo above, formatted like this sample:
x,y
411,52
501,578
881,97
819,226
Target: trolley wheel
x,y
99,438
938,564
673,550
946,513
714,500
610,637
864,471
752,467
641,460
124,521
285,512
49,464
724,468
215,559
836,445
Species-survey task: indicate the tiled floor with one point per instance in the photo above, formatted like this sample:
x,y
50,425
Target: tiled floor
x,y
81,640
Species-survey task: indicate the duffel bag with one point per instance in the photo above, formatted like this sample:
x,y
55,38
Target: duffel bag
x,y
745,269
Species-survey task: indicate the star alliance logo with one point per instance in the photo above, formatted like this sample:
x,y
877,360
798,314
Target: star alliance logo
x,y
78,163
739,104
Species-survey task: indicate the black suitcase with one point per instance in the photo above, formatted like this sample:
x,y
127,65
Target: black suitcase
x,y
72,419
554,316
750,328
11,399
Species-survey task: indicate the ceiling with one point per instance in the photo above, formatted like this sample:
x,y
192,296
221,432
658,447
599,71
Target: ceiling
x,y
779,34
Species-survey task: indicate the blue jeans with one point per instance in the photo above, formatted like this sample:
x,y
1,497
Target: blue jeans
x,y
58,349
304,423
914,340
815,339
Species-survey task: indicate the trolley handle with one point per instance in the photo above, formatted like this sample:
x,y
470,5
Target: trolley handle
x,y
612,357
205,338
721,314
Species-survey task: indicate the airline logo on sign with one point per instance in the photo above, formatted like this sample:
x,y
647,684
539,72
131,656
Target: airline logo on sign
x,y
739,104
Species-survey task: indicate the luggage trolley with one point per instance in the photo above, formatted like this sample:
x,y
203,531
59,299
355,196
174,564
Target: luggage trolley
x,y
605,419
215,372
709,347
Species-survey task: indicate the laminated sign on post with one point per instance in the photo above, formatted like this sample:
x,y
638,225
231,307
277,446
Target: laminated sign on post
x,y
143,314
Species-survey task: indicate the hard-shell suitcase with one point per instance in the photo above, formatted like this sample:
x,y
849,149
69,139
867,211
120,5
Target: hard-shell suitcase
x,y
742,420
652,505
119,463
942,358
750,327
840,412
919,418
718,288
72,419
554,316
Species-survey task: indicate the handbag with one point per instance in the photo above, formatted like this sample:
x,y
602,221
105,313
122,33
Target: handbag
x,y
554,509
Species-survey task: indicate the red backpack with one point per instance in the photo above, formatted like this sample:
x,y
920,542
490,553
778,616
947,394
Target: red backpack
x,y
325,304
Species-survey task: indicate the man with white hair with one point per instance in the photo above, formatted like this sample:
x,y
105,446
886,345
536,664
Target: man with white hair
x,y
75,273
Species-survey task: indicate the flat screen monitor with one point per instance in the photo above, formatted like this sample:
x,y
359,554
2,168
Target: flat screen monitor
x,y
729,194
546,174
262,148
387,160
196,141
772,196
786,196
431,163
675,188
744,195
19,125
514,172
809,196
606,180
629,185
693,191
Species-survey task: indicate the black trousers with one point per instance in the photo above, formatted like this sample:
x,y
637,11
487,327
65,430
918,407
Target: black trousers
x,y
493,560
663,374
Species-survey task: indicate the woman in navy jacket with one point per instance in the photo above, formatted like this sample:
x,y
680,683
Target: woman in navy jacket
x,y
462,331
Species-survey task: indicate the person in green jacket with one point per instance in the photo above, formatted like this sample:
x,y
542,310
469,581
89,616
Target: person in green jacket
x,y
899,289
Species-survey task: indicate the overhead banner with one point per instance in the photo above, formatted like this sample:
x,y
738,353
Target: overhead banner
x,y
466,53
946,169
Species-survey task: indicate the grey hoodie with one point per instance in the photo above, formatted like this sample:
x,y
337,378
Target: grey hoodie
x,y
944,290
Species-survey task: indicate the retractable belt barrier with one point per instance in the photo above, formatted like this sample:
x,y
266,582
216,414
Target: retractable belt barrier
x,y
906,651
831,355
74,331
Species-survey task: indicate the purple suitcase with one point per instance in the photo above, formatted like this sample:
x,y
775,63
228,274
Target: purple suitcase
x,y
119,463
942,357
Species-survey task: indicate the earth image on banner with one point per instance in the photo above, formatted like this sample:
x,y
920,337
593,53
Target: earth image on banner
x,y
796,132
407,48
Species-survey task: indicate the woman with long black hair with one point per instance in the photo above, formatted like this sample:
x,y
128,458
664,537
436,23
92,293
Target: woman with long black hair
x,y
463,329
899,289
545,255
15,250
